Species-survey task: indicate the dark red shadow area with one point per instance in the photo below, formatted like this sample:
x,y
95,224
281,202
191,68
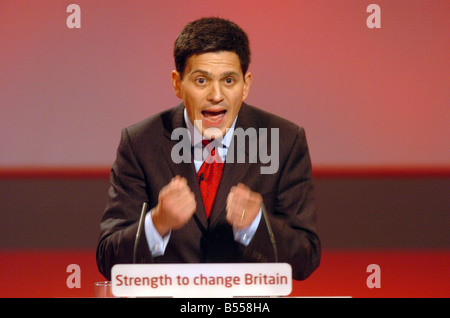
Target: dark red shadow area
x,y
406,274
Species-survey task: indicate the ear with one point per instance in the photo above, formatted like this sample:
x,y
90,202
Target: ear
x,y
247,82
176,83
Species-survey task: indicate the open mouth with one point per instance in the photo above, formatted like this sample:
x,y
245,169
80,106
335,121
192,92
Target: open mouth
x,y
214,115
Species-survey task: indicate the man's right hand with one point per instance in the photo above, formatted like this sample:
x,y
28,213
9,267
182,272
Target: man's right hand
x,y
176,205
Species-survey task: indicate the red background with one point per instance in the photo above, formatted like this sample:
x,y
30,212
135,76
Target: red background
x,y
367,97
374,103
342,273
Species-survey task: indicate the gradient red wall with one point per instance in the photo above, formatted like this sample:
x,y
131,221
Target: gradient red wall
x,y
374,103
367,97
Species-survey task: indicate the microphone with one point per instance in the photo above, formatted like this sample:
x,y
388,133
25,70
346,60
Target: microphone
x,y
201,177
269,229
139,230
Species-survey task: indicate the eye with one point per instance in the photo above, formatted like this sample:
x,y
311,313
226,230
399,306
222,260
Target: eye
x,y
229,80
200,81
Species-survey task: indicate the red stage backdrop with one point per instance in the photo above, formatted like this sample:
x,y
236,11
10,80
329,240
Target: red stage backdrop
x,y
371,88
368,79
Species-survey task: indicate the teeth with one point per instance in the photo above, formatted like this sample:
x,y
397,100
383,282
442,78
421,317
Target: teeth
x,y
213,116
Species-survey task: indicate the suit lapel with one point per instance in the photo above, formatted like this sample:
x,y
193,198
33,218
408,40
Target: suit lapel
x,y
183,169
233,171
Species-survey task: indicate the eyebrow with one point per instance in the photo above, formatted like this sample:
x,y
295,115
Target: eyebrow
x,y
206,73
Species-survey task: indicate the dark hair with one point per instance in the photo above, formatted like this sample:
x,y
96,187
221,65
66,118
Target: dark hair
x,y
211,35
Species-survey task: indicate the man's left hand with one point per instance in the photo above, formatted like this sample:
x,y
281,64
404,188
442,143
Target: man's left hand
x,y
243,206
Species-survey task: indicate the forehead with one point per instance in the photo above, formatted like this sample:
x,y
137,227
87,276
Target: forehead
x,y
214,63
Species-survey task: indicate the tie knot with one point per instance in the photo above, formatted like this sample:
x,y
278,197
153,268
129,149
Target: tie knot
x,y
206,142
212,146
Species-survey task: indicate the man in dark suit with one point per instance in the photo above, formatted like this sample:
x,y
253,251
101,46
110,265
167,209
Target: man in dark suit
x,y
260,212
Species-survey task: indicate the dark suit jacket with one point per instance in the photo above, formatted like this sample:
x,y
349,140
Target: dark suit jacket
x,y
144,166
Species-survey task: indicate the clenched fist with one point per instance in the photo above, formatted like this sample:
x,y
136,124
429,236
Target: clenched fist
x,y
242,206
176,205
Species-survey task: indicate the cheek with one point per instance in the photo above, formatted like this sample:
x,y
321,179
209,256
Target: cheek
x,y
193,102
197,97
237,96
236,103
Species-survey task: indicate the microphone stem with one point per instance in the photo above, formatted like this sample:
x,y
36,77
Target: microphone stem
x,y
139,230
269,229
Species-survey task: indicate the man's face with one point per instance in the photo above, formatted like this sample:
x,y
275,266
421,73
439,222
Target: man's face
x,y
213,89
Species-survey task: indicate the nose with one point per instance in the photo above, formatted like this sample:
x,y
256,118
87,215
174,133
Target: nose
x,y
215,94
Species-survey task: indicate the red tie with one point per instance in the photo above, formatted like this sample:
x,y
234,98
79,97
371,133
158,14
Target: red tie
x,y
209,178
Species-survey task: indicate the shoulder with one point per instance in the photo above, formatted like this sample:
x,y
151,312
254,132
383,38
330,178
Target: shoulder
x,y
255,117
279,131
158,124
